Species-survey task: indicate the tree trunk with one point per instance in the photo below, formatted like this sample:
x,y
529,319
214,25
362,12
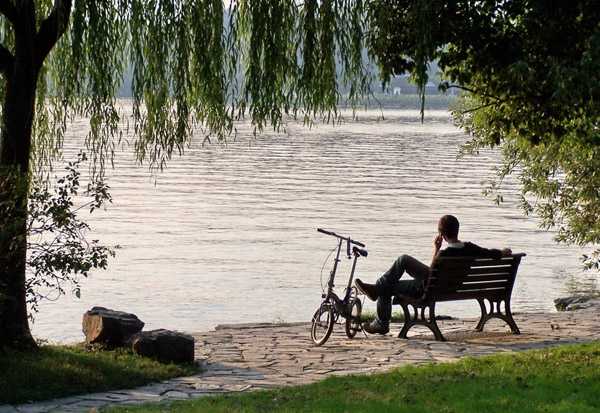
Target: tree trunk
x,y
14,325
17,120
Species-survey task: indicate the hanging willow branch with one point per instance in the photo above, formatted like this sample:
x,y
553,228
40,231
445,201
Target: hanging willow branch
x,y
195,65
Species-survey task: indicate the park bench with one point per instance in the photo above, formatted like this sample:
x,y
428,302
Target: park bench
x,y
489,281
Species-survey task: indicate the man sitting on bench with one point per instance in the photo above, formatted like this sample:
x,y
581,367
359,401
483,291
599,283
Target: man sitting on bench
x,y
389,284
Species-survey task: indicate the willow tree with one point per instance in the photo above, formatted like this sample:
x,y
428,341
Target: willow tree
x,y
196,68
529,73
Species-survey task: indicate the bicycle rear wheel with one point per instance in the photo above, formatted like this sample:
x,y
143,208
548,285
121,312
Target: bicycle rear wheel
x,y
353,319
322,323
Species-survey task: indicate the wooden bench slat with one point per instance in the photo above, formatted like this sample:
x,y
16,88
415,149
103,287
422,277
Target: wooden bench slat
x,y
480,262
441,283
490,270
483,286
478,287
449,271
474,277
469,295
487,277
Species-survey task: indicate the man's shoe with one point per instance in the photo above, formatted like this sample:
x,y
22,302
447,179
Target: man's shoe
x,y
367,289
376,327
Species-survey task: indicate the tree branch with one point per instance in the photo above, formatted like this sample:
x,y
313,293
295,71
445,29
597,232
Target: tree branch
x,y
464,112
7,8
51,29
473,91
6,60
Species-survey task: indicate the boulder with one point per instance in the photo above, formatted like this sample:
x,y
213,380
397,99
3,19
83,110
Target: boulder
x,y
164,345
577,302
112,328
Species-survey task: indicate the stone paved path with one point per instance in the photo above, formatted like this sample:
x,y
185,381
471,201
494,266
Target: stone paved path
x,y
241,358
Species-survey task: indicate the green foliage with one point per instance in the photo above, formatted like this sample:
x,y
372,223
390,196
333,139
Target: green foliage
x,y
529,73
59,252
60,371
196,67
563,379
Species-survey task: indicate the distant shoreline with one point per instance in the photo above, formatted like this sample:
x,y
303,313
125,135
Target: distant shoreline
x,y
404,102
377,101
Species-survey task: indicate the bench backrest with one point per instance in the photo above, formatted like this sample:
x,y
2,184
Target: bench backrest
x,y
468,278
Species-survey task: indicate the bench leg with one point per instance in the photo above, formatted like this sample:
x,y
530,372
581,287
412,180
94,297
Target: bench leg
x,y
496,312
510,320
484,315
418,318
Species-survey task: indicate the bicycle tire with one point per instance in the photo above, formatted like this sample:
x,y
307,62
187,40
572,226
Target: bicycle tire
x,y
353,319
321,329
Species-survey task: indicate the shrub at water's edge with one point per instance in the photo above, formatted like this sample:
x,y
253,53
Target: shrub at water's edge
x,y
59,371
560,379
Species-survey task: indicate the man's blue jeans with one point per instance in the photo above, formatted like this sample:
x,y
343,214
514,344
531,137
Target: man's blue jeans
x,y
389,284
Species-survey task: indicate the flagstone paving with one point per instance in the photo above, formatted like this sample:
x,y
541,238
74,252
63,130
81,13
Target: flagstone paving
x,y
245,357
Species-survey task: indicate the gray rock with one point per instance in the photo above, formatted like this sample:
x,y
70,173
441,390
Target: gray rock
x,y
164,345
577,302
113,328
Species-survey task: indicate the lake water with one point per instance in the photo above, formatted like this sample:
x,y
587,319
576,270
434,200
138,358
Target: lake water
x,y
227,233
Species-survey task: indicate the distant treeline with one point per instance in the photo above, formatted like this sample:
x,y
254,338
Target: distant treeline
x,y
408,101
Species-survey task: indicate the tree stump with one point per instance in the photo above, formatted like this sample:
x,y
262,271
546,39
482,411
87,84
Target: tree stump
x,y
164,345
112,328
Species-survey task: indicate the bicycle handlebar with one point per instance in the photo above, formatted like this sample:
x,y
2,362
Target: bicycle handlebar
x,y
333,234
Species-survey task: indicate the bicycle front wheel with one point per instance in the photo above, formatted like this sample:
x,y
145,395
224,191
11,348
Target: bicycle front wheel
x,y
322,323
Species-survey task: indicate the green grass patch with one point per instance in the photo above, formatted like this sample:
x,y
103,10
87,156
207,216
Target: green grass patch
x,y
563,379
397,316
368,316
58,371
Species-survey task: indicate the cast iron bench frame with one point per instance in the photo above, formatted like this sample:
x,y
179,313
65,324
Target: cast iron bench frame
x,y
464,278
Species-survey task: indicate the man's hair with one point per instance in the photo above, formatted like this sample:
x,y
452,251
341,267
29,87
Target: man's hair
x,y
448,226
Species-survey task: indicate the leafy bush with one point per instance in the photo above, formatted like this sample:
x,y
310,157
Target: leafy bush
x,y
59,252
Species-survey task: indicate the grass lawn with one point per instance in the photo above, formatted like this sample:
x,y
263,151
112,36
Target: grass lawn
x,y
564,379
397,316
367,316
58,371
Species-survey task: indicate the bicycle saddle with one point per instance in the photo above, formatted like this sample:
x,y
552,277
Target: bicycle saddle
x,y
359,251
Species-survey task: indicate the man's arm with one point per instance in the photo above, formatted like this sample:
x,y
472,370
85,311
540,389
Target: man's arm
x,y
437,244
477,251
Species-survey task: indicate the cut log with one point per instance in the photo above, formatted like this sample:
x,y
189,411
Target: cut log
x,y
112,328
164,345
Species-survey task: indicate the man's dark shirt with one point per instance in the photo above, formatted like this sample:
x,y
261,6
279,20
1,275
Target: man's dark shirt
x,y
470,250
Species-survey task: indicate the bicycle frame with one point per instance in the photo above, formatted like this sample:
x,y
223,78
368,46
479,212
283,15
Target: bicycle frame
x,y
340,304
331,282
332,307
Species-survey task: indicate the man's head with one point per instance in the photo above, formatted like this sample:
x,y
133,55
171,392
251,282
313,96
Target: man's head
x,y
448,227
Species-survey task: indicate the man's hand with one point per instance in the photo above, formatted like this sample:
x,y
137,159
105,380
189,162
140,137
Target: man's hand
x,y
506,252
437,242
